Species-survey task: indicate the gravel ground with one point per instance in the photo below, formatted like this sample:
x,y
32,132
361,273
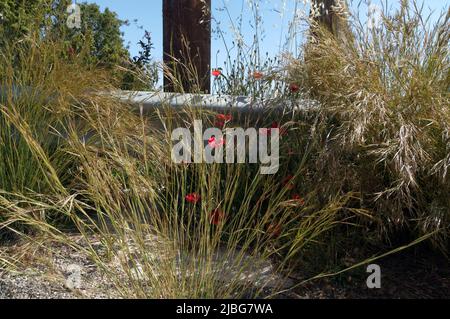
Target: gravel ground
x,y
70,274
67,273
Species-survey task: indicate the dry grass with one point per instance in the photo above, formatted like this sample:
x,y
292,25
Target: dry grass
x,y
101,168
74,158
385,114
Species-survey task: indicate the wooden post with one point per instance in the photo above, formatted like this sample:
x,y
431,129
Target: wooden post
x,y
187,45
323,14
328,13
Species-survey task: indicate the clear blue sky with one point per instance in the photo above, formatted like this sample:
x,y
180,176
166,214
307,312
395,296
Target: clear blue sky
x,y
276,14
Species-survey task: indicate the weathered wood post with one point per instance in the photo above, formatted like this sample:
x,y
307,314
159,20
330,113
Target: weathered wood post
x,y
330,14
321,12
187,45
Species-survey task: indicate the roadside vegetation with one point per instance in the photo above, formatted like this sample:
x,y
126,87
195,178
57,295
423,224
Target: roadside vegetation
x,y
366,168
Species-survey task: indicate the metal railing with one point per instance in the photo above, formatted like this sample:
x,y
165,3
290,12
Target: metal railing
x,y
151,100
148,100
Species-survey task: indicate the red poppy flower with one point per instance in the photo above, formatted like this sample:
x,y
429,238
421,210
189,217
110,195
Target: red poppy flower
x,y
257,75
212,142
224,117
274,230
288,183
192,198
221,119
216,72
216,216
219,124
294,88
298,199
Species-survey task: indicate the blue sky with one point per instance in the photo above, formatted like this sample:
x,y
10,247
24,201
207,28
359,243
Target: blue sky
x,y
276,15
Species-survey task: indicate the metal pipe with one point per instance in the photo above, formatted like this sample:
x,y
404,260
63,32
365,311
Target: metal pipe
x,y
151,100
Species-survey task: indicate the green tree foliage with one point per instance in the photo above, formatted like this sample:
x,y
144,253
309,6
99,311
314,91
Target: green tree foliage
x,y
141,69
99,38
103,35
